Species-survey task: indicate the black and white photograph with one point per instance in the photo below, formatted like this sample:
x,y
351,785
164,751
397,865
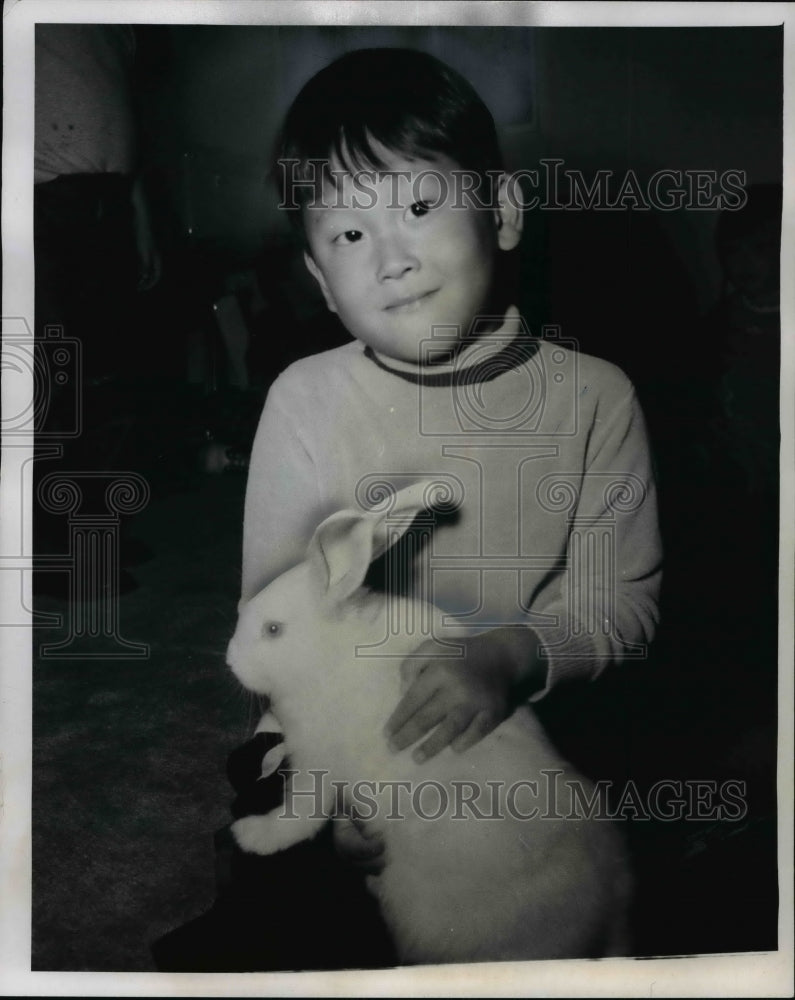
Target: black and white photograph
x,y
397,499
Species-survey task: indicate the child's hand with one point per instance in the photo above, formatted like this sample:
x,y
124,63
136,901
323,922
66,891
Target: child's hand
x,y
464,698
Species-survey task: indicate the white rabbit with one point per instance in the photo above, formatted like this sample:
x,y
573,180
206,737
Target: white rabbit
x,y
453,889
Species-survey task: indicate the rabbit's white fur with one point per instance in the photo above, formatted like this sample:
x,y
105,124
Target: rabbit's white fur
x,y
473,889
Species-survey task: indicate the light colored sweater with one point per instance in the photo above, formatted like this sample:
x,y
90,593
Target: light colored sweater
x,y
549,462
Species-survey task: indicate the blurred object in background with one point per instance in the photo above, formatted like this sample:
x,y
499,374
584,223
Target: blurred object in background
x,y
746,330
94,248
93,234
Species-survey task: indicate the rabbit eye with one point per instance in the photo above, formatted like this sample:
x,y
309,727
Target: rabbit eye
x,y
271,629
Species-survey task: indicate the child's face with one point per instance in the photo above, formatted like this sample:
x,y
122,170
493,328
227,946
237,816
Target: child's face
x,y
392,265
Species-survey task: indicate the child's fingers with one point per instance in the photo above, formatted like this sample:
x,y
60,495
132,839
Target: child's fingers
x,y
480,726
410,669
442,736
422,690
425,717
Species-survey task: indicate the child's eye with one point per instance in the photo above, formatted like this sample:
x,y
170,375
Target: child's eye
x,y
419,208
348,237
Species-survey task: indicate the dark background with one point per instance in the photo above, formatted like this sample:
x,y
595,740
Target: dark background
x,y
212,98
129,783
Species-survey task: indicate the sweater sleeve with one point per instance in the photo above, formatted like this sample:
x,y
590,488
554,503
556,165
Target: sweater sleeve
x,y
607,606
281,496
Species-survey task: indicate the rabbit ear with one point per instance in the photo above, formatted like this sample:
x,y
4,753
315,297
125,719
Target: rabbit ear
x,y
344,545
340,553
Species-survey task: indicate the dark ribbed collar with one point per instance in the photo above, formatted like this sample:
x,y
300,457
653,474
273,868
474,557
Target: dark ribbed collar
x,y
515,353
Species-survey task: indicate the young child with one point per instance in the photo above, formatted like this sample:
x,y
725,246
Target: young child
x,y
390,167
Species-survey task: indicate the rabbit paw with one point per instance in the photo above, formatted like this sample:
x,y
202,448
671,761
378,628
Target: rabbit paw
x,y
270,833
262,835
253,836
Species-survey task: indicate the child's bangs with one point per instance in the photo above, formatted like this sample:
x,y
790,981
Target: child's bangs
x,y
355,149
373,107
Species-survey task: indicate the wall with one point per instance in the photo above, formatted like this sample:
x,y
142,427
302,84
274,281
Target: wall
x,y
665,98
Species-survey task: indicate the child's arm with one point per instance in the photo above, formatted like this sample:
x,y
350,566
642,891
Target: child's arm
x,y
280,508
607,605
282,503
465,699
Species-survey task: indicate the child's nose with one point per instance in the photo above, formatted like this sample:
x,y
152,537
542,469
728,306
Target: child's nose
x,y
395,258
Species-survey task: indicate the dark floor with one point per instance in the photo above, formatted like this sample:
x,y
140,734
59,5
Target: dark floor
x,y
129,765
129,755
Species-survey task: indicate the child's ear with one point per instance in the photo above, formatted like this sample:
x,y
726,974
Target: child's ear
x,y
317,274
508,214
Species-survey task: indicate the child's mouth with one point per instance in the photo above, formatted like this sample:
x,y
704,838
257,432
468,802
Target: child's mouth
x,y
410,303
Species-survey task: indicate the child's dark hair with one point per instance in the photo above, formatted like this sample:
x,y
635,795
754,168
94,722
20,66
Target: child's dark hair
x,y
403,99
